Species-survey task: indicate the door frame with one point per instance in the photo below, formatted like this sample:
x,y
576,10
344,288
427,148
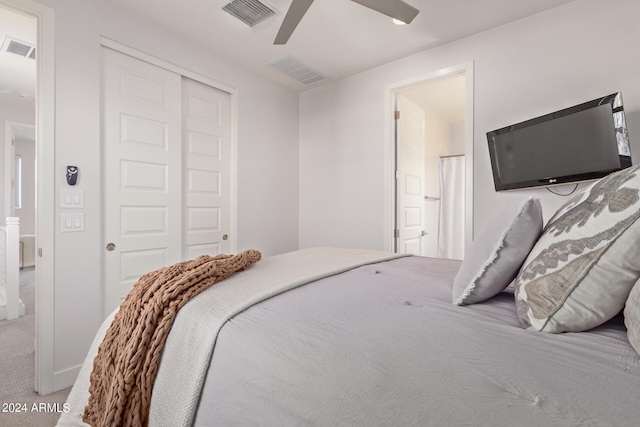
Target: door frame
x,y
45,187
390,147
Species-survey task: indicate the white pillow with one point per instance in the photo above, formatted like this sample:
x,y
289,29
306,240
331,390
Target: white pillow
x,y
494,257
632,317
581,270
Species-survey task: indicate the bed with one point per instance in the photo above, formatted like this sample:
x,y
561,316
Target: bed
x,y
328,336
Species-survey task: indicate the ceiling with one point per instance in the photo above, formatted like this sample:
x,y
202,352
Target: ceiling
x,y
336,38
17,73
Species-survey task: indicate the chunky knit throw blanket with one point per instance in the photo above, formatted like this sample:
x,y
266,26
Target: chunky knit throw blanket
x,y
127,361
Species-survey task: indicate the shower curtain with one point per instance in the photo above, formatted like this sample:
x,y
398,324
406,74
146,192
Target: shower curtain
x,y
452,194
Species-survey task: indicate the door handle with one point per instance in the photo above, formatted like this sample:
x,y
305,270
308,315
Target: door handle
x,y
424,233
110,247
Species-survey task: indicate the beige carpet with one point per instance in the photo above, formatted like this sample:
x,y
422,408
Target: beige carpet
x,y
17,362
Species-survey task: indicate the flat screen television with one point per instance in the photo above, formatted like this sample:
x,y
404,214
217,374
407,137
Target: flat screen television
x,y
584,142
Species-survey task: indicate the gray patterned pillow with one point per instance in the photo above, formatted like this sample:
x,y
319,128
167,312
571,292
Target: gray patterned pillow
x,y
494,257
632,317
581,270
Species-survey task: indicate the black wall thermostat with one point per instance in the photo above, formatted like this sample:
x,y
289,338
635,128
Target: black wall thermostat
x,y
72,175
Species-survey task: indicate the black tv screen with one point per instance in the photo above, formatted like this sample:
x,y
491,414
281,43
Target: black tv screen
x,y
587,141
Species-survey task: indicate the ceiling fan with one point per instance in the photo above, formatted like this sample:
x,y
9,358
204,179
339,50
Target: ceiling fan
x,y
397,9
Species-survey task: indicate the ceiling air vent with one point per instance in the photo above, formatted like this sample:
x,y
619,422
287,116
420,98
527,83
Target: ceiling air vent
x,y
251,12
18,47
292,67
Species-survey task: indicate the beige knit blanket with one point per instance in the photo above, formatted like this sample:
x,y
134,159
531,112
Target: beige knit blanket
x,y
125,367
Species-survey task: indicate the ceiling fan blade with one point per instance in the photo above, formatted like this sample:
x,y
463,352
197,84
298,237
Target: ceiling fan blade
x,y
397,9
291,20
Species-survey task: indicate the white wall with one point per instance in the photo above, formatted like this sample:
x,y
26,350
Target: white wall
x,y
26,148
552,60
267,154
438,143
457,138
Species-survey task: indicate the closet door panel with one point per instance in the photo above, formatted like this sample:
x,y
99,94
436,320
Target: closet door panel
x,y
142,171
207,182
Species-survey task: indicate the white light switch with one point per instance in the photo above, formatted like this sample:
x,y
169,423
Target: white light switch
x,y
72,199
71,222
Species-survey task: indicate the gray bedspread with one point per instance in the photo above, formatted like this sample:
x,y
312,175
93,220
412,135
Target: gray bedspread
x,y
187,352
383,345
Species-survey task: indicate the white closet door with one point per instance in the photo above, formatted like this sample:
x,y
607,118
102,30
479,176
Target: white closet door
x,y
207,179
142,171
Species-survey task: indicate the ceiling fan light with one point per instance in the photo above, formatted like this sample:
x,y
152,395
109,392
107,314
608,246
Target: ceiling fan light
x,y
398,9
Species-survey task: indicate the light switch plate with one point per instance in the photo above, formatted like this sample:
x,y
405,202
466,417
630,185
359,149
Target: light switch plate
x,y
71,222
72,199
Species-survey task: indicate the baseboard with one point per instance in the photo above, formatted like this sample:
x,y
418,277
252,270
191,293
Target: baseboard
x,y
65,378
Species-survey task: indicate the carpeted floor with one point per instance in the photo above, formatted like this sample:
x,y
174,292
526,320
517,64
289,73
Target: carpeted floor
x,y
20,405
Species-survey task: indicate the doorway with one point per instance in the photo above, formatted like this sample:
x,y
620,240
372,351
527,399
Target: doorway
x,y
41,20
436,220
18,71
44,106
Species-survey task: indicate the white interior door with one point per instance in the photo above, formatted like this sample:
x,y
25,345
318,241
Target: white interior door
x,y
410,142
142,171
207,180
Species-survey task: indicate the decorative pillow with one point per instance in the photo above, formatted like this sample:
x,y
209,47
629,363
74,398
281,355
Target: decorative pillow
x,y
494,257
632,317
581,270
